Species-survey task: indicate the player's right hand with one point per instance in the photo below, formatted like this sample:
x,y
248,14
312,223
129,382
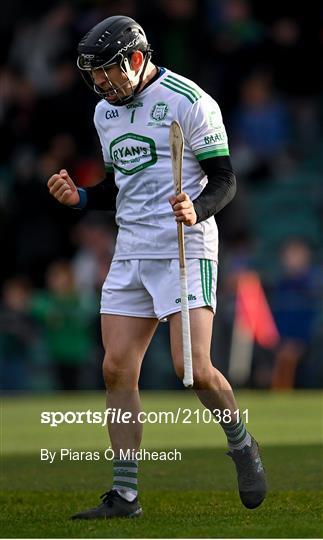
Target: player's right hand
x,y
62,187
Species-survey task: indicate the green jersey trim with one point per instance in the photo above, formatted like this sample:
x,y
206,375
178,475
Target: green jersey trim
x,y
213,153
184,86
210,148
206,279
178,91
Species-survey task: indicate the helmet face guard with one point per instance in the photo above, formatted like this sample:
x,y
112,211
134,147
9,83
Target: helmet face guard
x,y
120,91
111,43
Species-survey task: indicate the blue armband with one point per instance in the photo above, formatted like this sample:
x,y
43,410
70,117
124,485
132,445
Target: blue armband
x,y
83,199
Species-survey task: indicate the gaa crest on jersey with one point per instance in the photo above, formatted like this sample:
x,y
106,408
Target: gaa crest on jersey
x,y
158,113
112,113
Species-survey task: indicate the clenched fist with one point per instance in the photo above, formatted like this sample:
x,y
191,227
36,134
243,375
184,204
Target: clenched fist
x,y
183,209
62,187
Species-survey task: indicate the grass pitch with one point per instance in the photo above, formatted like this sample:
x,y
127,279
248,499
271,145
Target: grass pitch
x,y
195,497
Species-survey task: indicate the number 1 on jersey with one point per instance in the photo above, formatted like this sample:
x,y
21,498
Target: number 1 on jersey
x,y
132,116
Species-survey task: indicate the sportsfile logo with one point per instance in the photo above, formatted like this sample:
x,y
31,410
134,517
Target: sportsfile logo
x,y
113,415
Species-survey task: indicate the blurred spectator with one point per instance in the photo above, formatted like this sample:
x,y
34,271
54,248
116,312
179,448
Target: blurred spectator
x,y
96,239
40,232
235,47
235,27
67,320
17,107
18,334
288,49
175,30
38,47
261,126
295,305
290,45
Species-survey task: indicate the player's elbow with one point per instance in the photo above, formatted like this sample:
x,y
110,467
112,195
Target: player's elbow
x,y
228,193
232,187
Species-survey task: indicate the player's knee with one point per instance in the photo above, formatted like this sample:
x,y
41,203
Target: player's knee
x,y
202,375
117,375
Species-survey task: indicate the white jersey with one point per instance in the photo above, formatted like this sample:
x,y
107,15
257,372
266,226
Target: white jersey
x,y
135,145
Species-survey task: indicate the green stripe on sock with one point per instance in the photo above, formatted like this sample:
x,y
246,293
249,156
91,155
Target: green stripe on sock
x,y
237,436
234,432
118,479
121,483
118,463
238,441
125,474
231,428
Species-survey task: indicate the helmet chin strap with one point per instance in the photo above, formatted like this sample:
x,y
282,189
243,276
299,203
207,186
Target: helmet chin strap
x,y
138,78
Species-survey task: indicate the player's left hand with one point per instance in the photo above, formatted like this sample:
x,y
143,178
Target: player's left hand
x,y
183,209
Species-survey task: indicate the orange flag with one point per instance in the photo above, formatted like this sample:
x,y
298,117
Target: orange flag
x,y
253,314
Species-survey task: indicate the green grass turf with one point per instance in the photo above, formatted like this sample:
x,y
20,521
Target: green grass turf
x,y
194,497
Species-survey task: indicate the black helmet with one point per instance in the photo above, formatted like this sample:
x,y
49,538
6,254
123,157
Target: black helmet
x,y
111,42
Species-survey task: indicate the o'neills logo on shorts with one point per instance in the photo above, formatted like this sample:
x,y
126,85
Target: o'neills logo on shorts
x,y
190,297
131,153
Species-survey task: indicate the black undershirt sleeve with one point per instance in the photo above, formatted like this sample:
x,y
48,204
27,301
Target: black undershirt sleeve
x,y
219,190
103,195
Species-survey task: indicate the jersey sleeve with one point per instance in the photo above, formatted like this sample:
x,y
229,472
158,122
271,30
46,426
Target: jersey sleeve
x,y
204,130
108,165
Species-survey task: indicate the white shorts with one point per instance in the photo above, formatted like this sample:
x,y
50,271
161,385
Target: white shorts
x,y
150,288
